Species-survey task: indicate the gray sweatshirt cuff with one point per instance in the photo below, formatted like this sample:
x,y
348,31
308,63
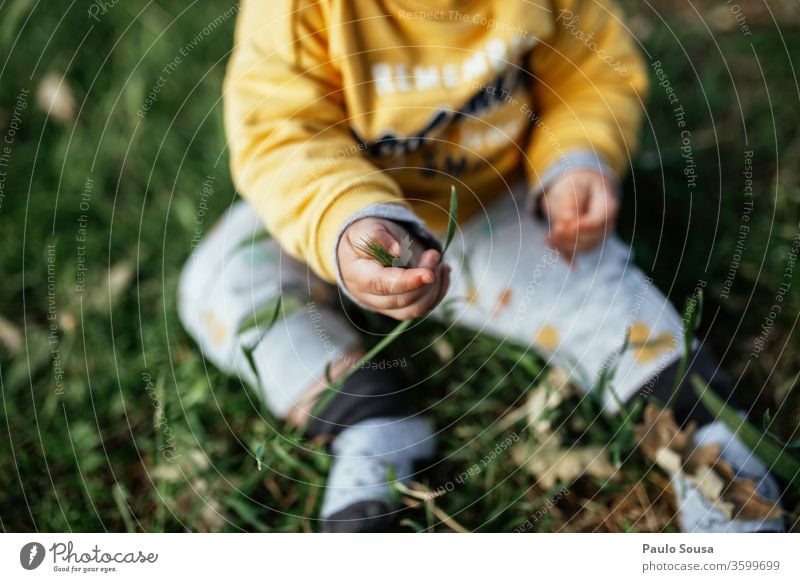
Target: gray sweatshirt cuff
x,y
396,213
574,160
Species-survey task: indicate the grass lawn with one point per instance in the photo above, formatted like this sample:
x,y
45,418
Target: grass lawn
x,y
111,419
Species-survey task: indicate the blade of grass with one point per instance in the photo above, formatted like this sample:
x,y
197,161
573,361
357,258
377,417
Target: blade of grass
x,y
691,321
120,496
453,219
774,454
334,387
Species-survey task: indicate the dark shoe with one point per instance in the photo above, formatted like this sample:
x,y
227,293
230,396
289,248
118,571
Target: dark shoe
x,y
362,517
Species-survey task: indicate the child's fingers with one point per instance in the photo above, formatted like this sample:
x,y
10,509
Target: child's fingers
x,y
564,242
590,240
365,276
601,209
398,301
407,299
432,296
573,201
394,280
429,259
564,232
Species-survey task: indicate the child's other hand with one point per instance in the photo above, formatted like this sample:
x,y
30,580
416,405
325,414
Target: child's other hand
x,y
400,293
582,209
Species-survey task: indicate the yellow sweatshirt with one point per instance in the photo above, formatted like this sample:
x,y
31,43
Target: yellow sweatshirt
x,y
334,107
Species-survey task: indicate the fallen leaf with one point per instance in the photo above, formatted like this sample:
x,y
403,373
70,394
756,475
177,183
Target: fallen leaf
x,y
116,281
54,97
443,349
668,460
550,462
10,336
672,449
545,398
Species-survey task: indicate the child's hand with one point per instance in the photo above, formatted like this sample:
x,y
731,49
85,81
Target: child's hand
x,y
400,293
582,209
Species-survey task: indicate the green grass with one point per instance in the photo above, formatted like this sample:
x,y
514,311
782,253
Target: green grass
x,y
136,391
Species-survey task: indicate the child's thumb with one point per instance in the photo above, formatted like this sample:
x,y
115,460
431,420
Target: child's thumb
x,y
573,205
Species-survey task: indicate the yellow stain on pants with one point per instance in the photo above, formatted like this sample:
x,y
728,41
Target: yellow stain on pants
x,y
547,337
219,332
646,348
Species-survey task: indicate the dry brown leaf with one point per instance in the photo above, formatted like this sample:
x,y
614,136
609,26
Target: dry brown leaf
x,y
668,460
544,398
443,349
116,281
550,462
659,430
10,336
700,456
711,485
54,97
742,493
671,448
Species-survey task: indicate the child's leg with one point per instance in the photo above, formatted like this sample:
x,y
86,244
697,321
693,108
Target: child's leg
x,y
513,286
235,276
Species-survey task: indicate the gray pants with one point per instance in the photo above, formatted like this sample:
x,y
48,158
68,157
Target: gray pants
x,y
505,282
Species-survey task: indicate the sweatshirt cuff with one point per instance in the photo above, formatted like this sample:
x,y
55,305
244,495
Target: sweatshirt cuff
x,y
388,211
574,160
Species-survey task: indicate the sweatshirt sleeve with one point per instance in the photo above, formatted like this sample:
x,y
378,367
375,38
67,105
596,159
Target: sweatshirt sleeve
x,y
292,154
589,83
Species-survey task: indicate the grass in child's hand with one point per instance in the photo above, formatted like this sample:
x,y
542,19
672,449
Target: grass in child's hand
x,y
372,247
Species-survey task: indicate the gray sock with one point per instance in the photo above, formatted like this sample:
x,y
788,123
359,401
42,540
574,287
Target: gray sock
x,y
362,456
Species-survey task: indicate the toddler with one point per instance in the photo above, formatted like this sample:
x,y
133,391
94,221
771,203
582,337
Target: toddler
x,y
348,122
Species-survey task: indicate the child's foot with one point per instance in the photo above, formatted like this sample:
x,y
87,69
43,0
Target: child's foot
x,y
358,497
697,514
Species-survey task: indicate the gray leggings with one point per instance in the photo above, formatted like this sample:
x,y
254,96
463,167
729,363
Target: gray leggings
x,y
505,282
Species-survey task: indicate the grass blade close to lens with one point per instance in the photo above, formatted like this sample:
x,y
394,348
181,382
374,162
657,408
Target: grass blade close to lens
x,y
453,220
334,386
773,453
692,311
